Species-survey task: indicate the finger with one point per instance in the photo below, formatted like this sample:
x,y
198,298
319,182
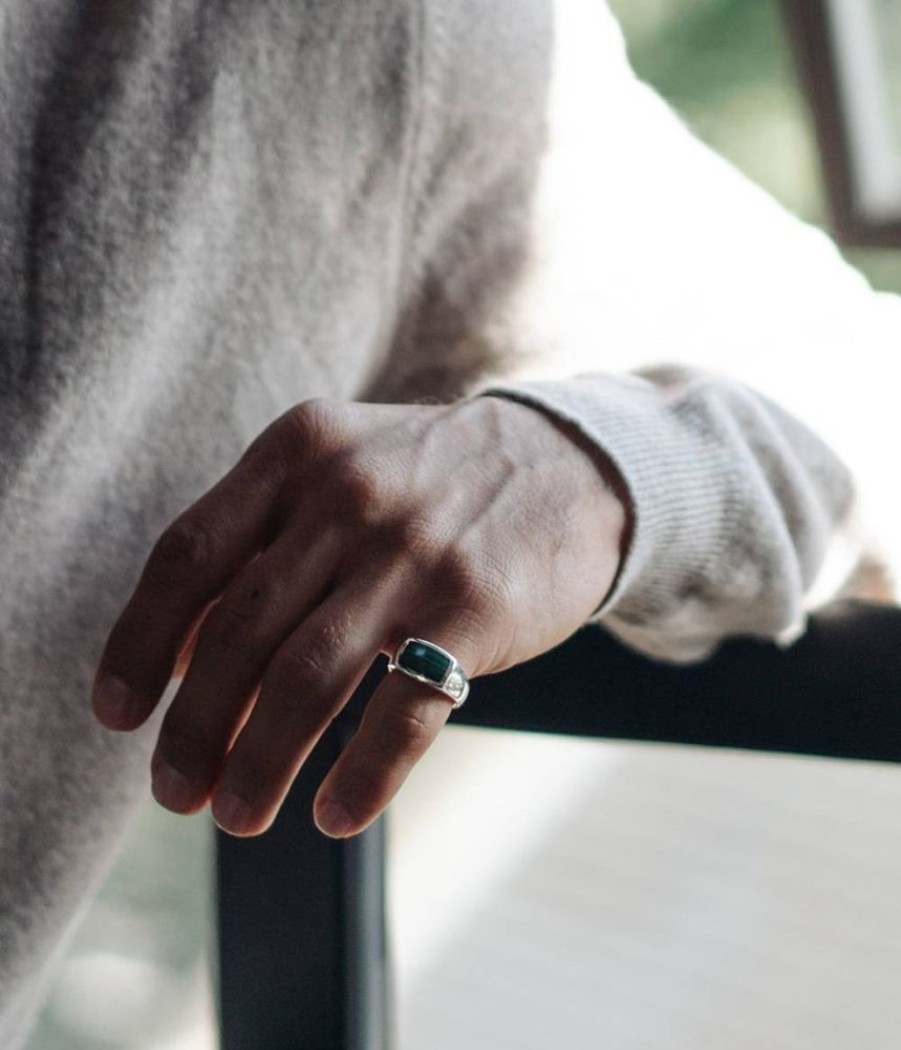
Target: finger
x,y
310,679
238,639
400,723
188,568
183,660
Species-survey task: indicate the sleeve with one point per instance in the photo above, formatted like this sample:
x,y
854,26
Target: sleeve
x,y
648,248
737,507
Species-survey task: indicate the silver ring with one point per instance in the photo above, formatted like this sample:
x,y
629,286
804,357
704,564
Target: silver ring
x,y
434,666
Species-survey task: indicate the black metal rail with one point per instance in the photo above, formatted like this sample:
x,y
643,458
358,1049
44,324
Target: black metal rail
x,y
301,923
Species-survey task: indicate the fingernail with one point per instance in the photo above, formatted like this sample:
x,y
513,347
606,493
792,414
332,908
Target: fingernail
x,y
232,814
115,704
173,789
332,819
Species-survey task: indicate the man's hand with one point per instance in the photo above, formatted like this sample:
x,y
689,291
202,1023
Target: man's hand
x,y
344,529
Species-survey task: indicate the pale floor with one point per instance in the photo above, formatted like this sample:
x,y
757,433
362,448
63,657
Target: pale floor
x,y
575,895
552,894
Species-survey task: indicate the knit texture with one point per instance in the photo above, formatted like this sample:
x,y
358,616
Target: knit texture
x,y
211,212
735,505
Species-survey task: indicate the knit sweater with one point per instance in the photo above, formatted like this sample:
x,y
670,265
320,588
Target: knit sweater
x,y
209,212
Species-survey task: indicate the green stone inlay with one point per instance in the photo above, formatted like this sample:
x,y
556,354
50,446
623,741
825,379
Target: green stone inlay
x,y
424,660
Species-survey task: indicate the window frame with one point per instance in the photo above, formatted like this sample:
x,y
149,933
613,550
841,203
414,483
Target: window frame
x,y
811,27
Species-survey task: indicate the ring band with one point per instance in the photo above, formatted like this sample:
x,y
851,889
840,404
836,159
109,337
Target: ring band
x,y
429,663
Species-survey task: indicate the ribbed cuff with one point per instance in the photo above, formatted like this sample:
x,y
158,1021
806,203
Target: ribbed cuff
x,y
672,481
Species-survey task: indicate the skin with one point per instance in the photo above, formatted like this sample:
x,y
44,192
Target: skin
x,y
486,527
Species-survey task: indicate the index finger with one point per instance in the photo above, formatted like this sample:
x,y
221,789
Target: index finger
x,y
188,568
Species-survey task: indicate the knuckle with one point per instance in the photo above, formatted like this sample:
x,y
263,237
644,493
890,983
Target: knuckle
x,y
186,547
474,602
332,634
458,577
498,598
405,537
230,631
311,422
296,667
419,534
358,490
408,731
467,581
309,661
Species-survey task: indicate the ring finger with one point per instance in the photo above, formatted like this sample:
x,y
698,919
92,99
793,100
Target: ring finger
x,y
401,722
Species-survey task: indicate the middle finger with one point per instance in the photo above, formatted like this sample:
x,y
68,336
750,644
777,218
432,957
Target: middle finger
x,y
310,680
235,643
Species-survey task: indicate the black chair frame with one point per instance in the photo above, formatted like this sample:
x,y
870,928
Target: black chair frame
x,y
303,961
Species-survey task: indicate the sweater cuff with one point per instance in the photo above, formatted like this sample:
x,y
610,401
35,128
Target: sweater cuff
x,y
626,418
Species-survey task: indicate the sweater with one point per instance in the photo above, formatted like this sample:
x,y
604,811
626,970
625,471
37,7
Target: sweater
x,y
211,212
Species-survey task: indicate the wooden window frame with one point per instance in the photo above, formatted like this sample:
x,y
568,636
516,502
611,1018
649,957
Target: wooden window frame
x,y
811,28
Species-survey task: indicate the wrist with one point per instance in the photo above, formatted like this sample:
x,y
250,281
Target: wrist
x,y
608,508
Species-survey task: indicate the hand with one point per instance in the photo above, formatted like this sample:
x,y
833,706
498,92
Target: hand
x,y
484,527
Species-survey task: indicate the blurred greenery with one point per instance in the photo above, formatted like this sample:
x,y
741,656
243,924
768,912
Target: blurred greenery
x,y
889,15
725,65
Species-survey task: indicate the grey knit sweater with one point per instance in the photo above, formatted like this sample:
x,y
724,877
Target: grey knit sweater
x,y
210,211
